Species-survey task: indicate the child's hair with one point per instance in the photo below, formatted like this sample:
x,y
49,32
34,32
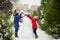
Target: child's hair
x,y
14,12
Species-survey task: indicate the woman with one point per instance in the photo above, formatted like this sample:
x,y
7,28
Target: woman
x,y
16,21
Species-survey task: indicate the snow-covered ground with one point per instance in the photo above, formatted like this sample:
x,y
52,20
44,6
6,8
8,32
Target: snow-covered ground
x,y
25,32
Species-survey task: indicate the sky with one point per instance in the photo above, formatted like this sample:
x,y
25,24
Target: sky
x,y
30,2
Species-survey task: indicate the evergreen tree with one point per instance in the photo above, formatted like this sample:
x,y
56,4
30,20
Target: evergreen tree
x,y
5,24
51,16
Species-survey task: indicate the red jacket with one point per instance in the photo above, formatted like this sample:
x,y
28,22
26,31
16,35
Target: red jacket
x,y
34,24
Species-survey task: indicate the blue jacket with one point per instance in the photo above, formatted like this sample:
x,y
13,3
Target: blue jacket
x,y
16,20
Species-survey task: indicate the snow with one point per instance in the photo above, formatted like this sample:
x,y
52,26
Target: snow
x,y
25,32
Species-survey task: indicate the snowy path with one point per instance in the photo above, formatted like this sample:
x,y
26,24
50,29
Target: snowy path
x,y
25,32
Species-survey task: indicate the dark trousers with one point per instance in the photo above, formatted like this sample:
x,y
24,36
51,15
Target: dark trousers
x,y
16,29
34,31
16,32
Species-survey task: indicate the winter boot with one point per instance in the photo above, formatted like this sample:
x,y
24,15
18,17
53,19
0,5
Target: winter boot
x,y
36,36
16,34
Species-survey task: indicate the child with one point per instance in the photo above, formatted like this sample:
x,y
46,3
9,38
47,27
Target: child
x,y
16,21
34,24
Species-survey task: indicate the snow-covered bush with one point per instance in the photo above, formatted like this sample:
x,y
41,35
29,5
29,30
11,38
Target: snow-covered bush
x,y
5,25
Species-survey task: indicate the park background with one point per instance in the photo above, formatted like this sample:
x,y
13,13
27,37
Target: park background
x,y
48,12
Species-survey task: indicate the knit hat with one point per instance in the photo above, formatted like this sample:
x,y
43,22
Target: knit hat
x,y
35,16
